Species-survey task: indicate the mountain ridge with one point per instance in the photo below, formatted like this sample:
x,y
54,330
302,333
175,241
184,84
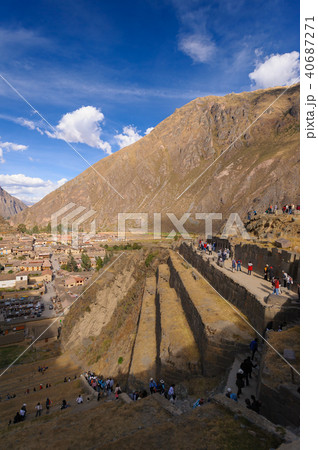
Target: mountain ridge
x,y
10,205
259,167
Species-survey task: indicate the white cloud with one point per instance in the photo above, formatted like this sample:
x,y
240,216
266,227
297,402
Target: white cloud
x,y
129,135
149,130
29,124
198,46
28,189
276,70
82,126
10,146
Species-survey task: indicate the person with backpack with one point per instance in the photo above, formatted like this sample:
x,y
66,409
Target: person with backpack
x,y
289,282
233,264
249,268
254,347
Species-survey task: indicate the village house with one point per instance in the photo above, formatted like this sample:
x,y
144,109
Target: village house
x,y
46,264
40,277
31,266
74,281
43,252
5,250
14,281
23,251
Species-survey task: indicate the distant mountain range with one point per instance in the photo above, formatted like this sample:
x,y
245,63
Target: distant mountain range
x,y
9,205
253,137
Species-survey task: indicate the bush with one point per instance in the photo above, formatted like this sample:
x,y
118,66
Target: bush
x,y
149,259
120,360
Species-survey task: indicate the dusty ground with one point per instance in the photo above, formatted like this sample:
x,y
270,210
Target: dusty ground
x,y
141,425
275,372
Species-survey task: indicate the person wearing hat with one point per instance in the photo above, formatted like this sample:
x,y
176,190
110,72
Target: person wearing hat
x,y
231,394
161,387
152,386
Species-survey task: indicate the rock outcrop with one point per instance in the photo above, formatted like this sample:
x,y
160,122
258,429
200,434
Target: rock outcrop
x,y
9,205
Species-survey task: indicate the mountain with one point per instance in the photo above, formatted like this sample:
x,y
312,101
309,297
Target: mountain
x,y
250,171
9,205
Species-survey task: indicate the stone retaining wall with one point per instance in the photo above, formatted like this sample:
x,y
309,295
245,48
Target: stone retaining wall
x,y
238,295
278,258
276,309
256,419
216,343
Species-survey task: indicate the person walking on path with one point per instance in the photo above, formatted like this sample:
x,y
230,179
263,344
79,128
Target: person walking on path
x,y
285,276
245,372
270,273
38,410
239,265
276,286
152,386
289,282
233,264
47,405
266,272
171,393
249,366
250,268
239,382
254,347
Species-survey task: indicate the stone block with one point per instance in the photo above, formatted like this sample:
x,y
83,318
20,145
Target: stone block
x,y
283,243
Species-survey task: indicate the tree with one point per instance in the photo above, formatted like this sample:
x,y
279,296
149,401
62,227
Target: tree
x,y
21,228
99,262
86,262
71,263
106,259
35,229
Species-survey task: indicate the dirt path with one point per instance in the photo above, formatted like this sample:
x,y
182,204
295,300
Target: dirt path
x,y
254,283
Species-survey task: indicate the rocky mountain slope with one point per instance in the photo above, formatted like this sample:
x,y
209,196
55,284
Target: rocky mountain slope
x,y
261,167
9,205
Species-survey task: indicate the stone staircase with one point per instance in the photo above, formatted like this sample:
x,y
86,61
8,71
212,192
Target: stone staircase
x,y
185,328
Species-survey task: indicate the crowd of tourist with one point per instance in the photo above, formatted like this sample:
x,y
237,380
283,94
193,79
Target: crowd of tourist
x,y
243,377
287,209
270,274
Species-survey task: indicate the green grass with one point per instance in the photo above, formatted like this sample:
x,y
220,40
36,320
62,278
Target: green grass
x,y
10,353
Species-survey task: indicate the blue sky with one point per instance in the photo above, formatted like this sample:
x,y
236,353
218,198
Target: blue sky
x,y
103,73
